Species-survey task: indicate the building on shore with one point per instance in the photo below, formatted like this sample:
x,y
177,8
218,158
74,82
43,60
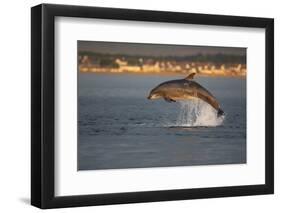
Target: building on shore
x,y
140,65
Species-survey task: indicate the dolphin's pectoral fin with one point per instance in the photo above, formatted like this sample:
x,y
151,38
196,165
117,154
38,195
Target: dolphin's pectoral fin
x,y
169,99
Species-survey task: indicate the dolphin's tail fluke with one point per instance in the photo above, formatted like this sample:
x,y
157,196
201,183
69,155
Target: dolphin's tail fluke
x,y
220,112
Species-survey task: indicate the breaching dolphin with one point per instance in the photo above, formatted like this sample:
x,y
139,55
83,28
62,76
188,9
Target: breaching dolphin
x,y
184,89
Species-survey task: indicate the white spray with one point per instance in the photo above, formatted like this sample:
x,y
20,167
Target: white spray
x,y
197,113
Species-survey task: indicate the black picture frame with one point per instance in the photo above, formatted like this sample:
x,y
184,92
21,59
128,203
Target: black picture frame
x,y
43,102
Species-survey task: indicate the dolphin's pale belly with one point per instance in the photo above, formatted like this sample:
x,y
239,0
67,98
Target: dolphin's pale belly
x,y
181,94
185,97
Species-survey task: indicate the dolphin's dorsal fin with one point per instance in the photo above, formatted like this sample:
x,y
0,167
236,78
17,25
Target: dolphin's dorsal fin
x,y
190,76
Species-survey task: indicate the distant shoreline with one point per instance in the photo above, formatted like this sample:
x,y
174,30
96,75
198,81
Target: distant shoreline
x,y
164,74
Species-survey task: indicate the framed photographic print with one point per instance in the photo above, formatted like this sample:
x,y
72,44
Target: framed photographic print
x,y
139,106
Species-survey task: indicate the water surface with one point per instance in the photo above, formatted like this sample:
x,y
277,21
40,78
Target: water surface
x,y
119,128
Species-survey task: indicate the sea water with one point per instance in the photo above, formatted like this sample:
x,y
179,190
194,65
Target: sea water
x,y
118,127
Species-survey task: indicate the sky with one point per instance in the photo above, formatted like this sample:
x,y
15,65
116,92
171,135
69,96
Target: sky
x,y
154,49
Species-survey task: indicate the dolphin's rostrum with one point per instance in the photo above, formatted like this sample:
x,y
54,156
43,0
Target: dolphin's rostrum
x,y
184,89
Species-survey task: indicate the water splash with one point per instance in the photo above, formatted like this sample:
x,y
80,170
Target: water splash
x,y
197,113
